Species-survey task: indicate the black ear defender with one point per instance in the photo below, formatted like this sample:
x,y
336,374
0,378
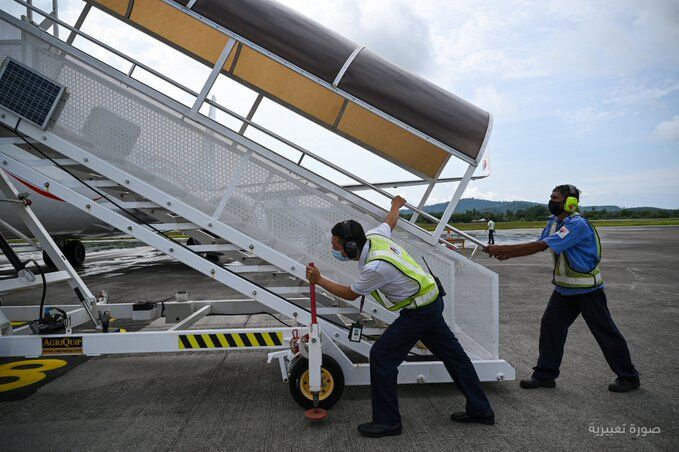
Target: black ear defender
x,y
350,245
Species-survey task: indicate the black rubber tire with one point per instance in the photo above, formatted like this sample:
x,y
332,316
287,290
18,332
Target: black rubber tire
x,y
301,365
211,256
75,253
46,259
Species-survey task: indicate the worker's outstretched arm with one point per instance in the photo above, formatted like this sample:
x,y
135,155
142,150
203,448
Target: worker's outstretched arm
x,y
394,215
504,252
314,276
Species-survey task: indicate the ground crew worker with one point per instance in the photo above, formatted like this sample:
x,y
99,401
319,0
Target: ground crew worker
x,y
490,227
579,289
409,289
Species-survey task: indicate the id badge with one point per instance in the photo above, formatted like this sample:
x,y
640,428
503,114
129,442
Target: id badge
x,y
355,332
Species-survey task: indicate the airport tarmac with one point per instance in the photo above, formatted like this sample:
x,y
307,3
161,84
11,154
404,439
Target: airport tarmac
x,y
235,401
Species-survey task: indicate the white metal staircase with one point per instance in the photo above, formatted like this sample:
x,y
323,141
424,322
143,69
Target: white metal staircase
x,y
158,165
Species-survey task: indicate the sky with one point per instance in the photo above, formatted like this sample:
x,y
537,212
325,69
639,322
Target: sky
x,y
582,92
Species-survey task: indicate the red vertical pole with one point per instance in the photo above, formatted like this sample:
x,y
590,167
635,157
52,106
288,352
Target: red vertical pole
x,y
312,295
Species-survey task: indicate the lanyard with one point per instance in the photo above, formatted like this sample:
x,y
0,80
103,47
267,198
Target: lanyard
x,y
357,327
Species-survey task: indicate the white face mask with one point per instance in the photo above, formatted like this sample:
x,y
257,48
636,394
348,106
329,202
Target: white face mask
x,y
339,256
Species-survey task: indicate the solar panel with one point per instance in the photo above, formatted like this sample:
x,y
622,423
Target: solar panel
x,y
27,93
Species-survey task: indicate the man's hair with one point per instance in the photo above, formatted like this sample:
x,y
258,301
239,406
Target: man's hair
x,y
355,232
568,190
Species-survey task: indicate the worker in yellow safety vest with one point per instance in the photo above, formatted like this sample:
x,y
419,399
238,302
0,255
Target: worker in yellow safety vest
x,y
399,283
578,289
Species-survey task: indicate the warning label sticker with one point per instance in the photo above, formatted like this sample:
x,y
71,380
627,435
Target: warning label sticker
x,y
62,345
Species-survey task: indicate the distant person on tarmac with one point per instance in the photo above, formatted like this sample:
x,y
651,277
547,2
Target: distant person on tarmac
x,y
579,289
491,231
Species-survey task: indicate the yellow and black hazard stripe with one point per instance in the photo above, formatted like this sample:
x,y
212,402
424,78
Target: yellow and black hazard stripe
x,y
231,340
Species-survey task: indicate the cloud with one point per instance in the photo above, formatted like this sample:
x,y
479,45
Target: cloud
x,y
635,93
475,192
396,32
621,38
490,99
442,194
626,97
668,130
390,28
588,116
529,39
635,183
541,63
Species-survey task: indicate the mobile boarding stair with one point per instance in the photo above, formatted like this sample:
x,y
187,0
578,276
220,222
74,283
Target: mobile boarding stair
x,y
145,163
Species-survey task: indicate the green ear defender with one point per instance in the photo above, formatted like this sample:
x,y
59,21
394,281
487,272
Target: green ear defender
x,y
571,204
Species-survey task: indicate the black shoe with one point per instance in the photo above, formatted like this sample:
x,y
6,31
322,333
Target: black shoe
x,y
533,383
624,385
372,430
487,419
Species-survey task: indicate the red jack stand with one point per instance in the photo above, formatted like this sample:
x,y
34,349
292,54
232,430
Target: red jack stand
x,y
315,413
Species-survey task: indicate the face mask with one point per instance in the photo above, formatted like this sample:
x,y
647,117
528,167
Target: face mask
x,y
555,208
339,256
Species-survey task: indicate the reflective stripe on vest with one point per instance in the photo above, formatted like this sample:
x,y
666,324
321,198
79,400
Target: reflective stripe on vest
x,y
384,249
565,276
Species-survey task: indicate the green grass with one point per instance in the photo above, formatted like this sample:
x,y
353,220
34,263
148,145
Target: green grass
x,y
541,224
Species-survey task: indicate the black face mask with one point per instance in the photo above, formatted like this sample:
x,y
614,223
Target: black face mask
x,y
555,208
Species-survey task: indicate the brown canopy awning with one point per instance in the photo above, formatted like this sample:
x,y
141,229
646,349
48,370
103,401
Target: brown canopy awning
x,y
309,46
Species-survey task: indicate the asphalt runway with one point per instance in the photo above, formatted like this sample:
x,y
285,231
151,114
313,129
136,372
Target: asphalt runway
x,y
235,401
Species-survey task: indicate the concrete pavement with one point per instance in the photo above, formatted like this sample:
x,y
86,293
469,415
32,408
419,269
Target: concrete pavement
x,y
232,400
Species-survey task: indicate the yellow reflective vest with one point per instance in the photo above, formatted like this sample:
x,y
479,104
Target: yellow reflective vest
x,y
384,249
565,276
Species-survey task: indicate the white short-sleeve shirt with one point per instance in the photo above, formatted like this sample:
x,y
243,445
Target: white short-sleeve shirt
x,y
382,276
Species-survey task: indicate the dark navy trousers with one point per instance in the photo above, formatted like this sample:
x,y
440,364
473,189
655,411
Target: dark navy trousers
x,y
561,312
390,350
